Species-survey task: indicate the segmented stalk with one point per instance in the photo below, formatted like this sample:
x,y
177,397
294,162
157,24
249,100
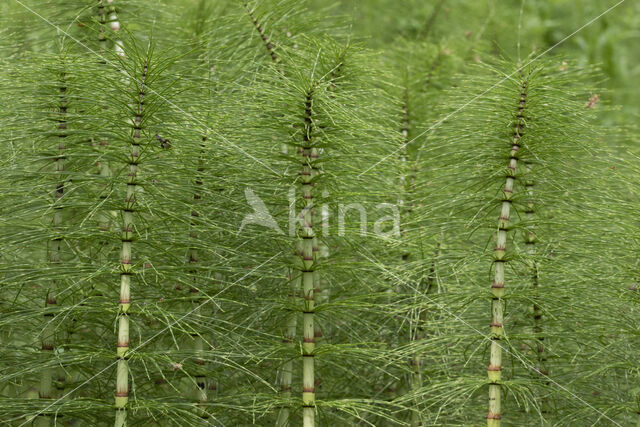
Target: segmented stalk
x,y
307,234
126,271
494,371
265,40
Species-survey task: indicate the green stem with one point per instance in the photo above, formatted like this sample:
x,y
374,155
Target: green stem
x,y
260,29
307,266
128,233
494,371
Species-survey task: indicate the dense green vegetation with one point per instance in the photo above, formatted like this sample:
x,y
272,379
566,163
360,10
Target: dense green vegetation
x,y
284,212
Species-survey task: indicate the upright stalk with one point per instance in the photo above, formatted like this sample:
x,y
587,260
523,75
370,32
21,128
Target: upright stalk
x,y
260,29
126,271
494,371
307,265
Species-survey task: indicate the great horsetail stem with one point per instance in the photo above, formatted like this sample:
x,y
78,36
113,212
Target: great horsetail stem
x,y
260,29
494,371
309,155
126,271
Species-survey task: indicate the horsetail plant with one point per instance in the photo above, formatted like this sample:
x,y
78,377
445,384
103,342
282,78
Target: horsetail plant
x,y
494,371
390,294
128,234
308,154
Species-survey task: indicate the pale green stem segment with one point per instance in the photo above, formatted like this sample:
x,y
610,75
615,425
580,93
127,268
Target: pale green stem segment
x,y
126,271
494,370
